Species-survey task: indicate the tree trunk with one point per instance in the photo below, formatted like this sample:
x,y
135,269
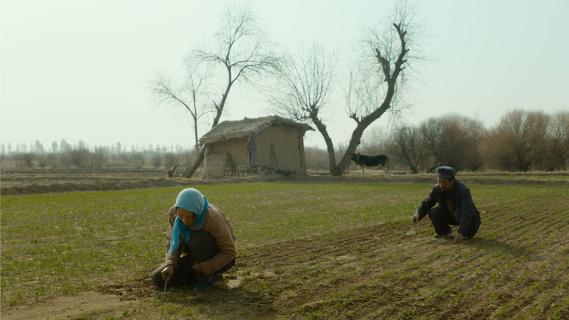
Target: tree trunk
x,y
197,146
347,157
192,169
329,144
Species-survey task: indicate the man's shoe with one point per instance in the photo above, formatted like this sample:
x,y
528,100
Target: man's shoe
x,y
444,236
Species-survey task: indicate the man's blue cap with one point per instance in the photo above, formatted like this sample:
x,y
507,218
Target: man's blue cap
x,y
445,172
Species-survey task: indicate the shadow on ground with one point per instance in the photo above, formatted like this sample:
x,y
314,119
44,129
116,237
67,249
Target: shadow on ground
x,y
499,246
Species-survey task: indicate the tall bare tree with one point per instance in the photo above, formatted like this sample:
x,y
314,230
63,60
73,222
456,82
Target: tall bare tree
x,y
518,142
242,53
191,96
369,96
537,124
405,146
452,140
558,142
304,91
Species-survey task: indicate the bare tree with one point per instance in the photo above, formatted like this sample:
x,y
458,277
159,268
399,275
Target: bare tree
x,y
518,141
304,91
557,156
515,147
405,146
452,140
242,53
195,88
370,95
504,147
434,142
536,126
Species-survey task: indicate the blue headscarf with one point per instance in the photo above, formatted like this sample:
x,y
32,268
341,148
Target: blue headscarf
x,y
194,201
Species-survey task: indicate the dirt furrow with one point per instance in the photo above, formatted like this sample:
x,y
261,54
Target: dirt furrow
x,y
547,231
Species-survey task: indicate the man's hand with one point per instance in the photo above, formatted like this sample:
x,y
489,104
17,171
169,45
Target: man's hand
x,y
167,273
416,218
458,237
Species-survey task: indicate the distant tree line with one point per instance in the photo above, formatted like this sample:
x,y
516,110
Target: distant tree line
x,y
64,155
521,141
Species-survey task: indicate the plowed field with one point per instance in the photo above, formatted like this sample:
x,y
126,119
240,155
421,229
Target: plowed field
x,y
305,251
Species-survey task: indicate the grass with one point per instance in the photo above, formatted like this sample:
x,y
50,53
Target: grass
x,y
59,236
306,250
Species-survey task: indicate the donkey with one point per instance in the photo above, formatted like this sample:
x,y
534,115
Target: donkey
x,y
370,161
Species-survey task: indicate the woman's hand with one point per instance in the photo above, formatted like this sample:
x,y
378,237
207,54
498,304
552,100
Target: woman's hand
x,y
167,272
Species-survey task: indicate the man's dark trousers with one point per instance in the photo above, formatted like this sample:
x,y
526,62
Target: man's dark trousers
x,y
442,219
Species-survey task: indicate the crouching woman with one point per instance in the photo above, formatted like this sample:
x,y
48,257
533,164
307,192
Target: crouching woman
x,y
200,244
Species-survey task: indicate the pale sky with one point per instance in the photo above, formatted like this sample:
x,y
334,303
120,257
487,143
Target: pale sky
x,y
79,70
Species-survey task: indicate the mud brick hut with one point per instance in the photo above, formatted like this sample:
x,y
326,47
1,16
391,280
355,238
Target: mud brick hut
x,y
257,145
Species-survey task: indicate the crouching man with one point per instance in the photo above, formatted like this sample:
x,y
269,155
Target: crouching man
x,y
200,244
455,207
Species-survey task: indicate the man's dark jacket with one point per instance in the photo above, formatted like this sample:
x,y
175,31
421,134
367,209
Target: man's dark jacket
x,y
458,201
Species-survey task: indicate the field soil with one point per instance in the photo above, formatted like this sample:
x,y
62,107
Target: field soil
x,y
515,268
47,181
72,307
511,271
27,182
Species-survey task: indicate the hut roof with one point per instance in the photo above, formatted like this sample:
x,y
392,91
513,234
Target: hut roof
x,y
241,128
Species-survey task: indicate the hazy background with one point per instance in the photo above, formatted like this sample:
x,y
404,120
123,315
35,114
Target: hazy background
x,y
80,70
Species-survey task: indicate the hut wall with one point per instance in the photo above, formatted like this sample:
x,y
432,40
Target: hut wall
x,y
278,148
236,149
234,155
